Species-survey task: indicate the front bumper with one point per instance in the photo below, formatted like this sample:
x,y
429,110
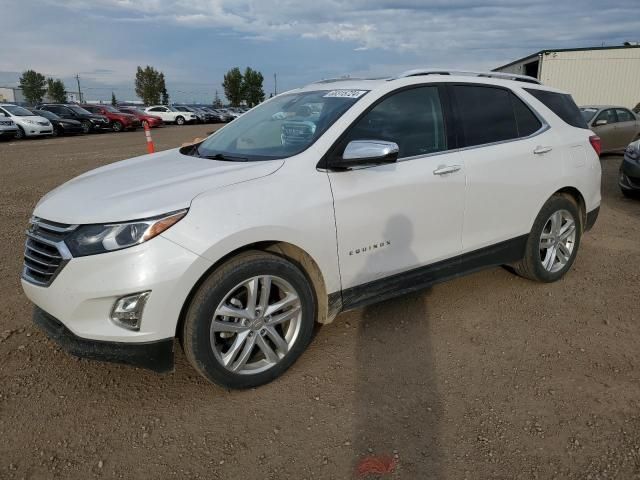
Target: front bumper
x,y
85,289
36,130
630,174
156,356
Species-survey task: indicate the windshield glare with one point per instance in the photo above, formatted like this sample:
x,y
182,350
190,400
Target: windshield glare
x,y
18,111
80,110
282,127
588,113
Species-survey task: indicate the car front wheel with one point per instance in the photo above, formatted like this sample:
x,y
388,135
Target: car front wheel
x,y
553,243
86,126
249,320
117,126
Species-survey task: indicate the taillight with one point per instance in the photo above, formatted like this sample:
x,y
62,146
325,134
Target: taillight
x,y
596,143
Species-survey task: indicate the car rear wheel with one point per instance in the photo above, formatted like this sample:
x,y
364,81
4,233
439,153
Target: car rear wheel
x,y
553,243
117,126
86,126
249,321
180,120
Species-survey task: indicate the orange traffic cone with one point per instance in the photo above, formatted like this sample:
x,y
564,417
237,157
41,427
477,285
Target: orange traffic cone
x,y
147,133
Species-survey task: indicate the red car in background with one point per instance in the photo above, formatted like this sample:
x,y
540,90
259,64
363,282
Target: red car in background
x,y
152,120
118,121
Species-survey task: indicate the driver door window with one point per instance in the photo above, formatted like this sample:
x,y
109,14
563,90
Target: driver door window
x,y
411,118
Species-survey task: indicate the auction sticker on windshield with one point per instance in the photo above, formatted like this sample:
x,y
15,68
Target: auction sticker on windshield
x,y
345,93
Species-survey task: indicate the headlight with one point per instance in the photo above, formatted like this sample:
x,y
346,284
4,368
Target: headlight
x,y
94,239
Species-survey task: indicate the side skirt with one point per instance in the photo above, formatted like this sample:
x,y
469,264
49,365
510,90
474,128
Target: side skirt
x,y
416,279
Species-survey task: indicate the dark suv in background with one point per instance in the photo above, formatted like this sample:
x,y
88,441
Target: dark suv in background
x,y
90,122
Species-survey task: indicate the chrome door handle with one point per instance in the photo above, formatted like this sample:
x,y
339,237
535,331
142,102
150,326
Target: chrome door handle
x,y
540,150
446,169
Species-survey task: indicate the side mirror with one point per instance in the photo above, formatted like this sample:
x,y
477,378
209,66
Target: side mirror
x,y
600,122
367,152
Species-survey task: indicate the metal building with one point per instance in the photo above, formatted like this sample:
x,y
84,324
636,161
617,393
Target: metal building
x,y
11,95
596,76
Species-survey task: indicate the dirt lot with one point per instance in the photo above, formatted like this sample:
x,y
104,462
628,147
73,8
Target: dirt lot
x,y
488,376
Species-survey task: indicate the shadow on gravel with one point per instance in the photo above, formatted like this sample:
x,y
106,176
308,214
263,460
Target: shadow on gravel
x,y
397,406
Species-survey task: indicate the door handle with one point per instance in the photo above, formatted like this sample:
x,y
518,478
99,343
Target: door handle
x,y
539,150
446,169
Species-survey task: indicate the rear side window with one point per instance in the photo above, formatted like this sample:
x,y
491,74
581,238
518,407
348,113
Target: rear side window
x,y
562,105
624,115
486,114
527,122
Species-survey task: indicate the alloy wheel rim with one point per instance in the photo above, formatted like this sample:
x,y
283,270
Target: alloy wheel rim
x,y
256,324
557,241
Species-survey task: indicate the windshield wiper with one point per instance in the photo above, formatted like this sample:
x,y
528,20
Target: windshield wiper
x,y
226,158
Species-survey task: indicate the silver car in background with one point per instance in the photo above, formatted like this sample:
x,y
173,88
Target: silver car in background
x,y
29,125
616,126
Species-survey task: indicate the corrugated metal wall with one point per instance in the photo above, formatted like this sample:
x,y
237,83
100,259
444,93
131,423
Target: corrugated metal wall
x,y
595,76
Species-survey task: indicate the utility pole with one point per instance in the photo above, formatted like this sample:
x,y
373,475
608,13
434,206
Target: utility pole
x,y
79,91
275,83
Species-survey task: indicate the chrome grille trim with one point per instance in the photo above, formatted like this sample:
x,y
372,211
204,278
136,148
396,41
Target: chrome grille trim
x,y
45,253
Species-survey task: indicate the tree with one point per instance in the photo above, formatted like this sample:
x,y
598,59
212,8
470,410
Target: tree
x,y
163,91
217,103
33,85
252,91
150,86
56,91
114,102
232,85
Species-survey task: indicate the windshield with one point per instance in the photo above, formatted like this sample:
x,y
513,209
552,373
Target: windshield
x,y
79,110
110,108
46,114
280,128
182,109
588,113
18,111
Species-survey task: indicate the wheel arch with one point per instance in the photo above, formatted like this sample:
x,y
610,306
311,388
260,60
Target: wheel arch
x,y
575,195
291,252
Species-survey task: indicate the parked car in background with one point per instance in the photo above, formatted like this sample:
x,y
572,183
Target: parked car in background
x,y
8,128
200,118
61,126
616,126
118,121
152,121
223,115
90,122
29,125
207,116
239,244
170,114
630,171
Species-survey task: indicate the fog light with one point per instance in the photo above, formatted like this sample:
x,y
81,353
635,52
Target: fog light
x,y
127,311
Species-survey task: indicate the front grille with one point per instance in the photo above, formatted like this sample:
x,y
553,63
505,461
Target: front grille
x,y
45,253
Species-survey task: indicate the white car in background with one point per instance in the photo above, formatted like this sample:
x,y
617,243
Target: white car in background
x,y
322,199
171,114
29,125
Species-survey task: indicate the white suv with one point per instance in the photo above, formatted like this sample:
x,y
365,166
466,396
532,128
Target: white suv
x,y
171,114
322,199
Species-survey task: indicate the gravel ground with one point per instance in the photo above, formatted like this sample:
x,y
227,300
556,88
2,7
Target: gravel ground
x,y
487,376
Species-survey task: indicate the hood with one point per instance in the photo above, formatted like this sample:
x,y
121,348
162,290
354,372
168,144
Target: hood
x,y
143,187
35,118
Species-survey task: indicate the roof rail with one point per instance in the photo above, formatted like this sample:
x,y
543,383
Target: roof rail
x,y
501,75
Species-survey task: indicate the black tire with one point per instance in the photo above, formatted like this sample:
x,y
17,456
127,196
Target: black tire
x,y
531,266
117,126
630,193
179,120
57,132
20,133
195,335
86,126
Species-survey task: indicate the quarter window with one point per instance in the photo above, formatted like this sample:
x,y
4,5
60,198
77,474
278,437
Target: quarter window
x,y
411,118
562,105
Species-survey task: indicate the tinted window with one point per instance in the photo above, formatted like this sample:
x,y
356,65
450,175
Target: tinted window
x,y
411,118
527,122
624,115
486,114
609,115
157,109
562,105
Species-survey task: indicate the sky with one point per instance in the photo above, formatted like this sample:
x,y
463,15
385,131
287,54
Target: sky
x,y
194,42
